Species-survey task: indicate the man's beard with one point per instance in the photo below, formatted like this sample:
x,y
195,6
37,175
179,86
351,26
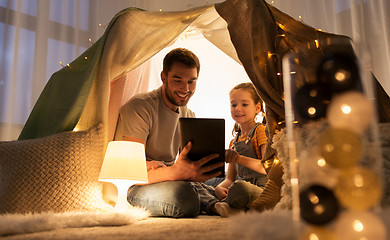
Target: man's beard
x,y
171,98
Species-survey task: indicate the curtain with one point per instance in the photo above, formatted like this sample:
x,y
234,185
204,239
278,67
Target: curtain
x,y
40,37
37,38
364,21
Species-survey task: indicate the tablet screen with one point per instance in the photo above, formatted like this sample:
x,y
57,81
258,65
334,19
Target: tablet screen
x,y
207,136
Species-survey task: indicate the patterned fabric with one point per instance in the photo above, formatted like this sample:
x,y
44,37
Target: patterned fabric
x,y
57,173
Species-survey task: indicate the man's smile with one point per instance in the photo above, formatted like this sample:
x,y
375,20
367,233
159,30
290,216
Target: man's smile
x,y
182,95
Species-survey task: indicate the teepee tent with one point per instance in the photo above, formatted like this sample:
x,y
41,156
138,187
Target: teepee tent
x,y
255,34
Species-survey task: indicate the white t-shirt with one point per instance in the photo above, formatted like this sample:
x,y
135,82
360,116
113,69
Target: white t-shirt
x,y
146,116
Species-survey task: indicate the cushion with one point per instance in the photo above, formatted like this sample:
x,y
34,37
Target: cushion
x,y
57,173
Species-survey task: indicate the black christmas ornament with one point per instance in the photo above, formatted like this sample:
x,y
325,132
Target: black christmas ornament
x,y
318,205
311,102
339,72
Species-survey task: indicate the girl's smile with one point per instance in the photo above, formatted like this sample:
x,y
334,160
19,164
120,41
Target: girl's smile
x,y
243,109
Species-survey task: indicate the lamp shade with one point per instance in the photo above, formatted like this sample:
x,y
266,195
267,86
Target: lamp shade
x,y
124,160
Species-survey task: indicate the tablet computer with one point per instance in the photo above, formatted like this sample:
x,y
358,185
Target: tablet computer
x,y
207,136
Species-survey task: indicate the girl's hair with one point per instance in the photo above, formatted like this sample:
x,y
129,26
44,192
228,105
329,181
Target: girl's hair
x,y
248,86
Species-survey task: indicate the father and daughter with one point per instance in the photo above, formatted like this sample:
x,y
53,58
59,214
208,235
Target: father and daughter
x,y
176,185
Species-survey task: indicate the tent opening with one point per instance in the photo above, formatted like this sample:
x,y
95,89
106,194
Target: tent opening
x,y
219,73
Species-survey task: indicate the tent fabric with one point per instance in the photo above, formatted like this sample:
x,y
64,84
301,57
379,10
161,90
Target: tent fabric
x,y
252,32
79,94
262,35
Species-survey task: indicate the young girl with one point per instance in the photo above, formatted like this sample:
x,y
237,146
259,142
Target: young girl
x,y
245,153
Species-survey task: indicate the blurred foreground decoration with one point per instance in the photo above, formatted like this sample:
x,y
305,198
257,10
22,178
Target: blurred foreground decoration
x,y
349,145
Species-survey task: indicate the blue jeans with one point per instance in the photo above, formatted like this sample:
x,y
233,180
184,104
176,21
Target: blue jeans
x,y
241,194
176,199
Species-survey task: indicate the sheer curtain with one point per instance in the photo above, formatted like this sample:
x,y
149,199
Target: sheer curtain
x,y
364,21
39,37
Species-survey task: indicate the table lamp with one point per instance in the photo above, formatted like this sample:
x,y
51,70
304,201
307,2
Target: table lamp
x,y
124,165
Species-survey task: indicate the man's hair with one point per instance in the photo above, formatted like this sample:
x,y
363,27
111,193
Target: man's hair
x,y
180,55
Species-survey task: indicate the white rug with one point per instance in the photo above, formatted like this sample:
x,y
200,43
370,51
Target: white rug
x,y
12,224
279,225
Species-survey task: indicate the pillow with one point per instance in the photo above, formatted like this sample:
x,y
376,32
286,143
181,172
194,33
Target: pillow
x,y
57,173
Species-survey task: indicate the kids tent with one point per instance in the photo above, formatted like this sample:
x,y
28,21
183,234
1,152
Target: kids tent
x,y
255,34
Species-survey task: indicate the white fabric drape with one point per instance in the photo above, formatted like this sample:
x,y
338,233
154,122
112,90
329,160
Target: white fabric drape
x,y
36,35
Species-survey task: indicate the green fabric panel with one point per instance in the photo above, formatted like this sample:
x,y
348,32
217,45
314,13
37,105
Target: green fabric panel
x,y
62,101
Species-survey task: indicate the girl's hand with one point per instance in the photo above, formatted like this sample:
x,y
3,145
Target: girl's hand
x,y
221,192
231,156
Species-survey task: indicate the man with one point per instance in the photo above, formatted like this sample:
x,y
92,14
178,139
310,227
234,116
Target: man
x,y
152,119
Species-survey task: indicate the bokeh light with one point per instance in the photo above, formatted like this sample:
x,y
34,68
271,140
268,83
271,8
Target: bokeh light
x,y
311,102
358,188
350,110
360,225
340,148
317,233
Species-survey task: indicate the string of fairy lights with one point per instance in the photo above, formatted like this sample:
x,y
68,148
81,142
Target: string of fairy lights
x,y
270,54
101,25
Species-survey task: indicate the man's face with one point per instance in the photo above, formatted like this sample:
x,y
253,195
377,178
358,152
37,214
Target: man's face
x,y
179,85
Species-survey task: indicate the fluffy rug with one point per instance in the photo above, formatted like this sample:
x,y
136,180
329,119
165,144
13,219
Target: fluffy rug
x,y
12,224
152,228
278,225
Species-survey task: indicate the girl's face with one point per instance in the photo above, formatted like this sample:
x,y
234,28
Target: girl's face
x,y
242,107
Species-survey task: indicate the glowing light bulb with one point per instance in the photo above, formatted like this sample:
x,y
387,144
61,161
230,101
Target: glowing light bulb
x,y
312,110
357,226
282,27
321,162
342,75
350,110
271,54
358,188
346,109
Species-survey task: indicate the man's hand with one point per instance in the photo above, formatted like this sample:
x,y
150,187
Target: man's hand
x,y
195,171
151,165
